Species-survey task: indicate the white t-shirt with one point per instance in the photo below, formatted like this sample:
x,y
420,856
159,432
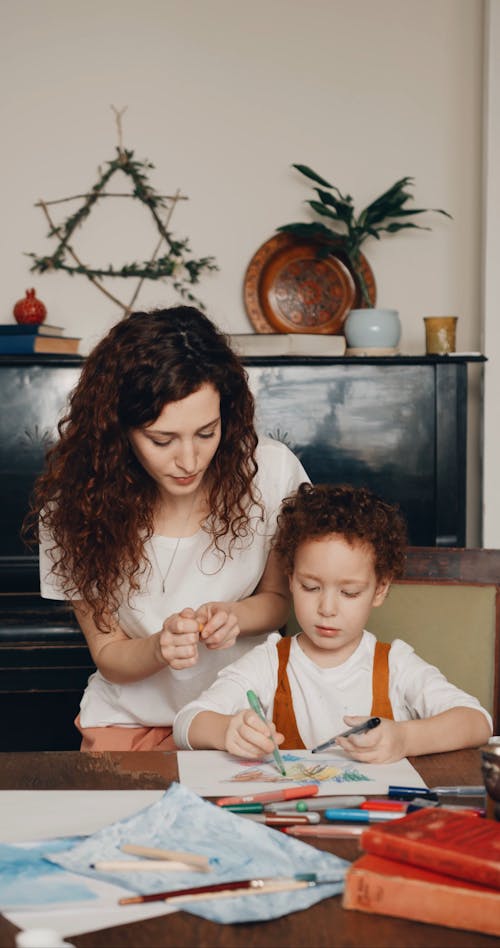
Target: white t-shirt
x,y
196,577
322,696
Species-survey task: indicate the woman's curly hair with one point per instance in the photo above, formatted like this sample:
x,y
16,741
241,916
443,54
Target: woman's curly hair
x,y
354,513
94,498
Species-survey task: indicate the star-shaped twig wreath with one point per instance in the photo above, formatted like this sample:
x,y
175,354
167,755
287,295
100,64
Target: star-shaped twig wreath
x,y
174,264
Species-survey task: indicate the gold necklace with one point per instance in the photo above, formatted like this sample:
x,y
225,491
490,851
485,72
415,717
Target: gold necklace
x,y
164,577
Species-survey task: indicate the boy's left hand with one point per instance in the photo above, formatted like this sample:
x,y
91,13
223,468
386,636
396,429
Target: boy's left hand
x,y
382,745
219,627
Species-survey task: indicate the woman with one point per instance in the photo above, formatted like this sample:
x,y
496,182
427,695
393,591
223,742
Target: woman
x,y
157,510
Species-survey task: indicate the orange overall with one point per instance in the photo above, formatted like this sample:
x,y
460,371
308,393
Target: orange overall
x,y
284,714
114,738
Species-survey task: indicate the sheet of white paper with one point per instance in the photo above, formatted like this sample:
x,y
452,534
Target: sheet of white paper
x,y
218,774
43,814
30,815
39,885
89,917
80,921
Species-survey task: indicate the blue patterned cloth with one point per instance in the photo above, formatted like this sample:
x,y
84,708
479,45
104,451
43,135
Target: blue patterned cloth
x,y
237,849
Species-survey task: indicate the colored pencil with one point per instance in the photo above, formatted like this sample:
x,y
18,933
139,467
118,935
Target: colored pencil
x,y
150,852
142,865
230,889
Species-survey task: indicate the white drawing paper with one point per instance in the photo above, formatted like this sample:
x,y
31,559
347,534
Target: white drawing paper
x,y
219,774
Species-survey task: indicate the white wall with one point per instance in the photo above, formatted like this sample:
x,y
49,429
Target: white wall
x,y
223,96
491,342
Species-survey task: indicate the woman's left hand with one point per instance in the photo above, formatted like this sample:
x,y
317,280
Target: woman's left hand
x,y
220,624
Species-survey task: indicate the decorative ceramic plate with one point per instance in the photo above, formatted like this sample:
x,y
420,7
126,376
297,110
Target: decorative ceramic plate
x,y
288,287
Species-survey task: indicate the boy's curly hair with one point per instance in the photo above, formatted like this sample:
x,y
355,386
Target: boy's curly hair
x,y
94,498
356,514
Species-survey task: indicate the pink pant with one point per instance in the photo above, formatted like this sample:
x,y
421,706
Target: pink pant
x,y
114,738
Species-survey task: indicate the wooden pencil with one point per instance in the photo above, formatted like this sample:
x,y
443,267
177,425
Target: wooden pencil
x,y
143,865
149,852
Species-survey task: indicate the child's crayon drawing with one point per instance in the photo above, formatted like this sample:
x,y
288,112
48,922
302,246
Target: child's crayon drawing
x,y
300,770
217,773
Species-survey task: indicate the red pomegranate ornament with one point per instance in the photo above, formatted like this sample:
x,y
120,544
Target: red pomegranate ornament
x,y
30,309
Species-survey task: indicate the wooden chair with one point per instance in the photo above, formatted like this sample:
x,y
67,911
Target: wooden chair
x,y
448,607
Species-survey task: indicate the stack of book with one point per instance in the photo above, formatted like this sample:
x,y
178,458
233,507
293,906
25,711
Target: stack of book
x,y
436,866
21,338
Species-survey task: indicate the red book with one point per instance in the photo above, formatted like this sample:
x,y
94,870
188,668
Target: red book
x,y
386,887
456,844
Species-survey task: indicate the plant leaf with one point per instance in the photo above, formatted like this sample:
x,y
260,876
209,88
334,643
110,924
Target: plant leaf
x,y
325,211
428,210
343,207
391,202
392,228
394,192
314,231
309,173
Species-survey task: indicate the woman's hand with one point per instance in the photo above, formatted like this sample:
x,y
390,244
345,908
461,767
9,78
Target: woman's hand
x,y
382,745
178,640
220,626
248,736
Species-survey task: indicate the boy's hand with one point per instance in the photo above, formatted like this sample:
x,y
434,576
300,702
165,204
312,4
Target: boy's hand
x,y
248,736
178,640
220,627
382,745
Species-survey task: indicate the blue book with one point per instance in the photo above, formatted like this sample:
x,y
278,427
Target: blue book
x,y
22,343
28,329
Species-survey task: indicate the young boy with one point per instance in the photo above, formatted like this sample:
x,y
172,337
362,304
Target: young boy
x,y
341,547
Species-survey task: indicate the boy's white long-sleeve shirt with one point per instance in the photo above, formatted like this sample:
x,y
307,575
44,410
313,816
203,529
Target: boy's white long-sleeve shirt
x,y
322,696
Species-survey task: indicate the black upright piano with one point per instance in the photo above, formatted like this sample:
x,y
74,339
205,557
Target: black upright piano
x,y
44,661
395,424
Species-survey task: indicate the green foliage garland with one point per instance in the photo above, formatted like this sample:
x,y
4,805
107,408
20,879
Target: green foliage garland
x,y
175,265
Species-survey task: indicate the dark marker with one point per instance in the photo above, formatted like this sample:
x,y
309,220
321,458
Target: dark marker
x,y
357,729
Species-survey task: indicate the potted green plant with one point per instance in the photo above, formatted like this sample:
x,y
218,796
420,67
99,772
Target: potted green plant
x,y
345,231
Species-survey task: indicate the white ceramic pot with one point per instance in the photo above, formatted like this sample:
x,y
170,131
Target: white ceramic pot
x,y
372,329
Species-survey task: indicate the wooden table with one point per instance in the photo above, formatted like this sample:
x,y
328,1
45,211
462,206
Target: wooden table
x,y
324,925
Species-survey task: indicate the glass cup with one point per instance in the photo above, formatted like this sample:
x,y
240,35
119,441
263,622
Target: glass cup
x,y
440,334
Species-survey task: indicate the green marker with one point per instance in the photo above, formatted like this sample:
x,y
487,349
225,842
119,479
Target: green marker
x,y
257,707
244,807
